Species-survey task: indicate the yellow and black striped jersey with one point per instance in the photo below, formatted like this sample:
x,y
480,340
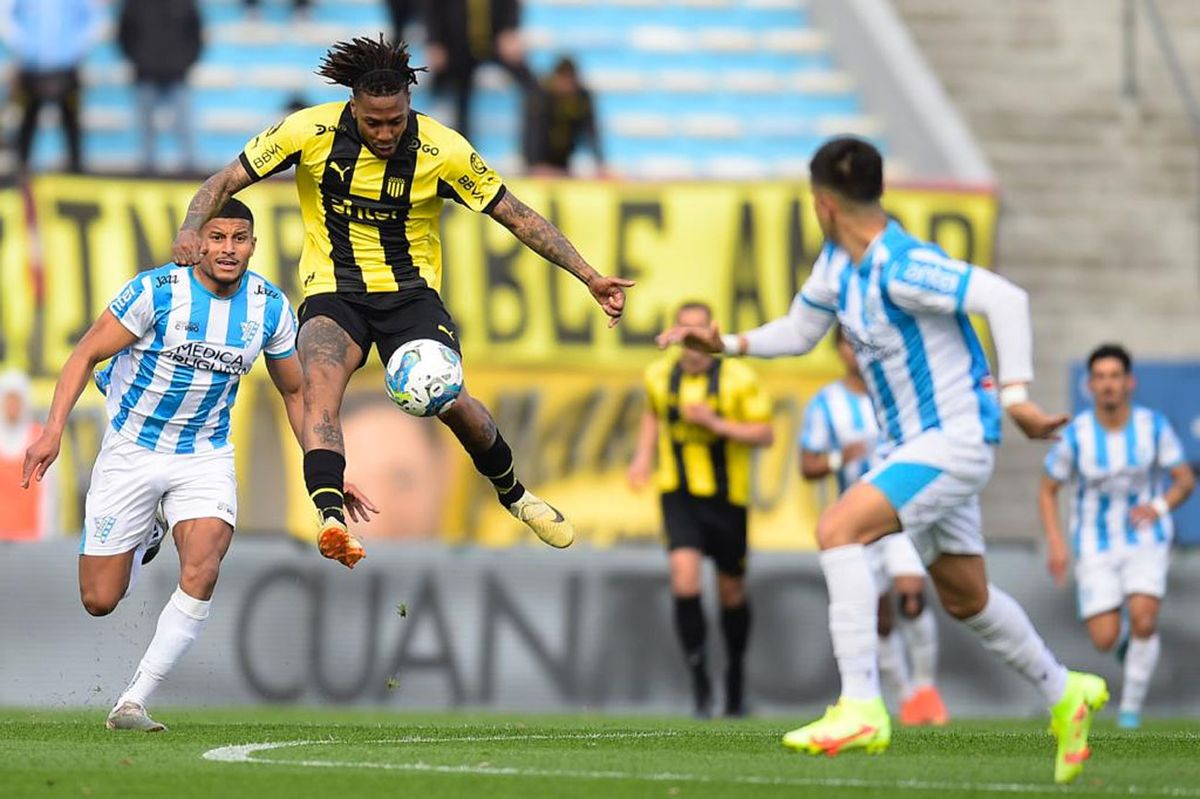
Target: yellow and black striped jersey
x,y
690,457
371,224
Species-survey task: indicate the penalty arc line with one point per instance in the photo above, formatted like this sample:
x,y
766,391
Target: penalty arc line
x,y
245,753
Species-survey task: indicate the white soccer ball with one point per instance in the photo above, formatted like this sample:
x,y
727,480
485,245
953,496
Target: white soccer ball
x,y
424,377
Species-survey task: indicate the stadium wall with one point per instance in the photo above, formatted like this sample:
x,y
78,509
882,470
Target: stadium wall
x,y
426,627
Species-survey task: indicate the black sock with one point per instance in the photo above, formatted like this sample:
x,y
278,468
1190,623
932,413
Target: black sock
x,y
497,465
689,624
735,626
324,475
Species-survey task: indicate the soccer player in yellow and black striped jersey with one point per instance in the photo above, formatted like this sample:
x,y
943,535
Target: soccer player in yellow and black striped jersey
x,y
372,175
704,415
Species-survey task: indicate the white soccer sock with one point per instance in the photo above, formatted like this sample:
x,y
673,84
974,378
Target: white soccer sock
x,y
179,625
1004,628
893,670
853,605
1140,661
920,640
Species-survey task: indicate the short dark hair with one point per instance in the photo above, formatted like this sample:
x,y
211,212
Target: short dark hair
x,y
850,166
375,67
695,305
1111,351
235,209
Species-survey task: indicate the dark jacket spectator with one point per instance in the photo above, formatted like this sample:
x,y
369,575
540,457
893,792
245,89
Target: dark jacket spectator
x,y
560,118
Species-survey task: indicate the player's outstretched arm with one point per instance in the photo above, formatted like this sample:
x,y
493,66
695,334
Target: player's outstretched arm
x,y
805,324
104,339
642,465
212,194
538,234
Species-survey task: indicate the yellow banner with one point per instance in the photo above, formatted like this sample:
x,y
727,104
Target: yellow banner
x,y
564,387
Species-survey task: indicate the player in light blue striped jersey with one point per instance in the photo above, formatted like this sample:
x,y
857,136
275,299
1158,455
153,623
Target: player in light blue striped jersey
x,y
839,438
904,305
180,339
1118,454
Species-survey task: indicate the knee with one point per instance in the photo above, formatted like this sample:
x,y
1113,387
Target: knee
x,y
1143,625
911,604
732,592
1105,640
831,533
963,607
199,579
98,602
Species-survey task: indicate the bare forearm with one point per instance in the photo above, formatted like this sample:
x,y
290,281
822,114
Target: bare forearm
x,y
71,382
814,465
213,194
1182,484
1048,511
538,234
758,434
647,437
293,403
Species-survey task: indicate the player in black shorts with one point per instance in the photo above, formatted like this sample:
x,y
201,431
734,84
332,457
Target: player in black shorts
x,y
372,175
704,415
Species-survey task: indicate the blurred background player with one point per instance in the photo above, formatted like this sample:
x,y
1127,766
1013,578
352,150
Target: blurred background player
x,y
182,338
904,306
839,438
1117,453
704,416
49,39
162,40
373,175
29,515
462,35
560,119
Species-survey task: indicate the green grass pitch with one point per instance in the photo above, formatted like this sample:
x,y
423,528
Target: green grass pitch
x,y
348,754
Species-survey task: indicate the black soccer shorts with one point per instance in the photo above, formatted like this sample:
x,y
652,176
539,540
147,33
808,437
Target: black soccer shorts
x,y
388,319
714,526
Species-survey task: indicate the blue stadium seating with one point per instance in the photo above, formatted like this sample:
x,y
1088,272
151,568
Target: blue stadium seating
x,y
685,88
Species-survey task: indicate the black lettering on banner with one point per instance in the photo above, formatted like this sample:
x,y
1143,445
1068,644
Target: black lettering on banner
x,y
500,608
939,226
83,214
287,260
426,609
563,332
775,596
260,671
743,275
562,436
619,434
800,258
352,686
633,661
146,255
628,213
500,272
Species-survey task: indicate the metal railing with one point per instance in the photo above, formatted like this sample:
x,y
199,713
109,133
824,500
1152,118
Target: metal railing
x,y
1170,56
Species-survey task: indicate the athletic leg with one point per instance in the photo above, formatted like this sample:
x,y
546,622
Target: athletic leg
x,y
690,626
103,580
201,543
1141,659
329,356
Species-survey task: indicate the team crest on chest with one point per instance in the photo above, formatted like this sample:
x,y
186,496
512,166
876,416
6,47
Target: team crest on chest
x,y
394,187
249,329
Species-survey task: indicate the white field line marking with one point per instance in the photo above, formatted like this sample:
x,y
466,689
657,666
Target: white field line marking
x,y
244,753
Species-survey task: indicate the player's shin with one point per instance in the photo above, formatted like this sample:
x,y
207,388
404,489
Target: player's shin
x,y
852,619
690,627
735,627
179,625
1140,662
920,640
893,669
496,464
324,476
1004,628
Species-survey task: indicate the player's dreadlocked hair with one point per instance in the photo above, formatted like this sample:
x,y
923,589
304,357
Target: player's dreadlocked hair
x,y
375,67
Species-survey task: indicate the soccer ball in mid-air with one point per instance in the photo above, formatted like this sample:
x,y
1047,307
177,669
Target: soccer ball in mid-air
x,y
424,377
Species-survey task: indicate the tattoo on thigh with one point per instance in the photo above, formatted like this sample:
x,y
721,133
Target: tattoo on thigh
x,y
329,432
323,342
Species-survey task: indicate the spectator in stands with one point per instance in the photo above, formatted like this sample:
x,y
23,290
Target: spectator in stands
x,y
463,34
301,6
49,39
28,513
161,38
560,116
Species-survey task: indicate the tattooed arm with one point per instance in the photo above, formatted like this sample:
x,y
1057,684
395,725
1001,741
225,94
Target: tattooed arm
x,y
213,194
536,233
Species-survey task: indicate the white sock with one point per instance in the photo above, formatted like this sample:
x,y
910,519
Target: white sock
x,y
179,625
853,606
1140,660
1004,628
893,670
920,640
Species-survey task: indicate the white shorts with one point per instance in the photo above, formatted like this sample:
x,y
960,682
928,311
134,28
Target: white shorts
x,y
934,482
128,481
893,556
1104,579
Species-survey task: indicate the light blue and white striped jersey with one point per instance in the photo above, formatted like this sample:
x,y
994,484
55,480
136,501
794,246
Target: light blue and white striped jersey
x,y
1114,471
902,308
173,389
835,418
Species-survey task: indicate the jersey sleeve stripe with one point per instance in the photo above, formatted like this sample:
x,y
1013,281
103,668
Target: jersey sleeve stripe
x,y
817,305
